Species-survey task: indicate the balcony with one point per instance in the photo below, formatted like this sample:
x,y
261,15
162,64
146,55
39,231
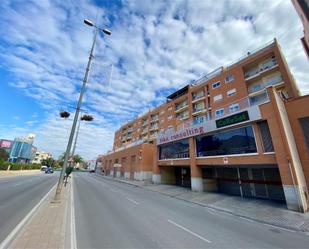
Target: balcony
x,y
145,122
144,131
197,98
181,107
261,86
199,110
183,116
130,129
154,127
266,66
154,119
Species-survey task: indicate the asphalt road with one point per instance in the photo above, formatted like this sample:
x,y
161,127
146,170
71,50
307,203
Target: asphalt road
x,y
18,195
116,215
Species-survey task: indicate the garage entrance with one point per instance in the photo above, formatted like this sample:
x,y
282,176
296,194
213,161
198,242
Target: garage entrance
x,y
176,175
247,181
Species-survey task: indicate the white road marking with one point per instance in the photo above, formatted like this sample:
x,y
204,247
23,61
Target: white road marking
x,y
5,243
189,231
73,227
129,199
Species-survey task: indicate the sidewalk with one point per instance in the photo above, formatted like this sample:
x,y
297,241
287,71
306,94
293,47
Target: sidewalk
x,y
7,173
264,211
50,226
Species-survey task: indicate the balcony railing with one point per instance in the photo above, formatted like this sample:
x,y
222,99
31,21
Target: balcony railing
x,y
261,86
145,122
197,97
182,105
242,104
154,127
266,66
182,116
198,109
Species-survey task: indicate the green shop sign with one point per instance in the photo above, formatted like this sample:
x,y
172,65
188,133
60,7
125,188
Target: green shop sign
x,y
233,119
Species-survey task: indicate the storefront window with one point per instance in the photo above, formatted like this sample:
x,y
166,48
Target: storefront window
x,y
179,149
236,141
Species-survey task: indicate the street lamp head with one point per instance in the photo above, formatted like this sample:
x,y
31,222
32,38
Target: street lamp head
x,y
88,22
107,31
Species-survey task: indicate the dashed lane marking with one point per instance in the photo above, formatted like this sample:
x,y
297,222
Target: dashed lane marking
x,y
189,231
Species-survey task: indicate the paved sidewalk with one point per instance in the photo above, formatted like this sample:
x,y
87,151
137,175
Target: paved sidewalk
x,y
268,212
8,173
50,225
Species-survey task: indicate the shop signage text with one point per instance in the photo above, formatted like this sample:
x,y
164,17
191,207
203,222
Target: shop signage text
x,y
189,132
233,119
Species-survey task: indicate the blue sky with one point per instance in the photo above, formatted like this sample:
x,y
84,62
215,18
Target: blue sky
x,y
155,48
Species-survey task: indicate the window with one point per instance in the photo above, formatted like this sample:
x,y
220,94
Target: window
x,y
231,92
169,117
229,78
162,112
234,107
236,141
266,137
217,97
161,121
304,123
170,108
216,85
179,149
220,112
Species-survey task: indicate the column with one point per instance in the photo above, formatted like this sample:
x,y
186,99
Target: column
x,y
156,173
196,172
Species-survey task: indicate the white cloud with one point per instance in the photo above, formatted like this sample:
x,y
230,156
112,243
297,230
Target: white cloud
x,y
154,46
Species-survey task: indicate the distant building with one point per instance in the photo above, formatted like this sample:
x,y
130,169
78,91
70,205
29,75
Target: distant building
x,y
302,8
40,156
23,150
6,145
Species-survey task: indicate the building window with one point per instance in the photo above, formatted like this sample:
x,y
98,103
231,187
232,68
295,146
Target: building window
x,y
179,149
229,78
266,137
170,108
219,112
234,107
161,121
217,97
169,117
236,141
216,85
162,112
231,92
304,123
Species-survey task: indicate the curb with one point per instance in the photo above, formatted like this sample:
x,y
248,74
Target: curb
x,y
282,227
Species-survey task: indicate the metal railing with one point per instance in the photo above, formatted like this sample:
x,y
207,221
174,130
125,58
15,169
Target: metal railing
x,y
267,65
229,109
262,85
182,105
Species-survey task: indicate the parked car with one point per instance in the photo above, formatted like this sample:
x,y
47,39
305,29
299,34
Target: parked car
x,y
92,171
49,170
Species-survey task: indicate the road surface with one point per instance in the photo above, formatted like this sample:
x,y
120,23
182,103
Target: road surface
x,y
110,214
18,195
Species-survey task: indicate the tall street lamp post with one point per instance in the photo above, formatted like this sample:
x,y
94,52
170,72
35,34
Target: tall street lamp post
x,y
68,149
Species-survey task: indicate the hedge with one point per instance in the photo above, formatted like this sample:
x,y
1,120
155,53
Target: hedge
x,y
18,166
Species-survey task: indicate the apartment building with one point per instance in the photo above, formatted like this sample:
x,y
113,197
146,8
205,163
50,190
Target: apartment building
x,y
241,130
302,8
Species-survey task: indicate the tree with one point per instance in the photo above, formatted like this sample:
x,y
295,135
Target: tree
x,y
4,155
49,162
77,159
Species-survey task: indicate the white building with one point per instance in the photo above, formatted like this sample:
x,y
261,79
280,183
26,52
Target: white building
x,y
40,156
